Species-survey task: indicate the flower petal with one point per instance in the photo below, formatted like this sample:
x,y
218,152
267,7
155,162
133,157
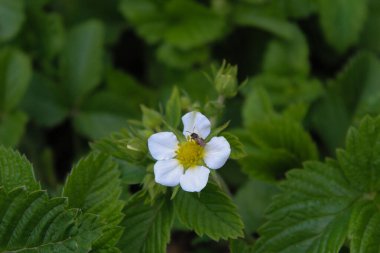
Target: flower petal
x,y
196,122
194,179
168,172
217,151
162,146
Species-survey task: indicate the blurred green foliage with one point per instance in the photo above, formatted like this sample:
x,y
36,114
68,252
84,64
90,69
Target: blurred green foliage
x,y
297,75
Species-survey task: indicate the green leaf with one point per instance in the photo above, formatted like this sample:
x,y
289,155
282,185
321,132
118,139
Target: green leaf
x,y
342,21
12,128
363,230
345,102
300,8
15,73
173,108
362,150
44,102
237,148
325,204
147,225
252,200
369,37
11,18
240,246
257,106
94,186
95,125
31,222
288,56
275,145
210,213
195,24
16,171
81,59
311,215
123,145
182,58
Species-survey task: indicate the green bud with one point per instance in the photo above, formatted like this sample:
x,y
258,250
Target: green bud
x,y
226,82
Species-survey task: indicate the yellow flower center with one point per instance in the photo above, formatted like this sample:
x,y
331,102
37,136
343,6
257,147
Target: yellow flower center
x,y
190,154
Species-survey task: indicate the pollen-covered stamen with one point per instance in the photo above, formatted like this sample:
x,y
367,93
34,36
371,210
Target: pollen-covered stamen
x,y
190,154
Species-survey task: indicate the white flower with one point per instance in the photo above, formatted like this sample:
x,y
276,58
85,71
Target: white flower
x,y
185,163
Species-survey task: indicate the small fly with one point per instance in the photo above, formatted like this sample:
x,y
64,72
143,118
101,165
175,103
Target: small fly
x,y
199,140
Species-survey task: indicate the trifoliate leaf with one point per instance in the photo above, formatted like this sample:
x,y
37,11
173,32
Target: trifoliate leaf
x,y
16,171
342,21
94,186
326,204
147,225
210,213
11,18
81,61
31,222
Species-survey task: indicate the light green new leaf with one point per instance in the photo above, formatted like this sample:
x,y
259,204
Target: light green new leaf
x,y
173,108
11,18
94,186
81,62
33,223
12,127
16,171
147,225
15,74
342,21
210,213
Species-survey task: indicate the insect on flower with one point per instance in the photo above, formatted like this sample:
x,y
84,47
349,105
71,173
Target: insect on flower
x,y
200,141
188,163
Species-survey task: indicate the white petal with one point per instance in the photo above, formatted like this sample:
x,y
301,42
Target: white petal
x,y
196,122
194,179
168,172
162,146
217,151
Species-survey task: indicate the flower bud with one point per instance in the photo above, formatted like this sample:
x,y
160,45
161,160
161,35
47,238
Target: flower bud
x,y
226,82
